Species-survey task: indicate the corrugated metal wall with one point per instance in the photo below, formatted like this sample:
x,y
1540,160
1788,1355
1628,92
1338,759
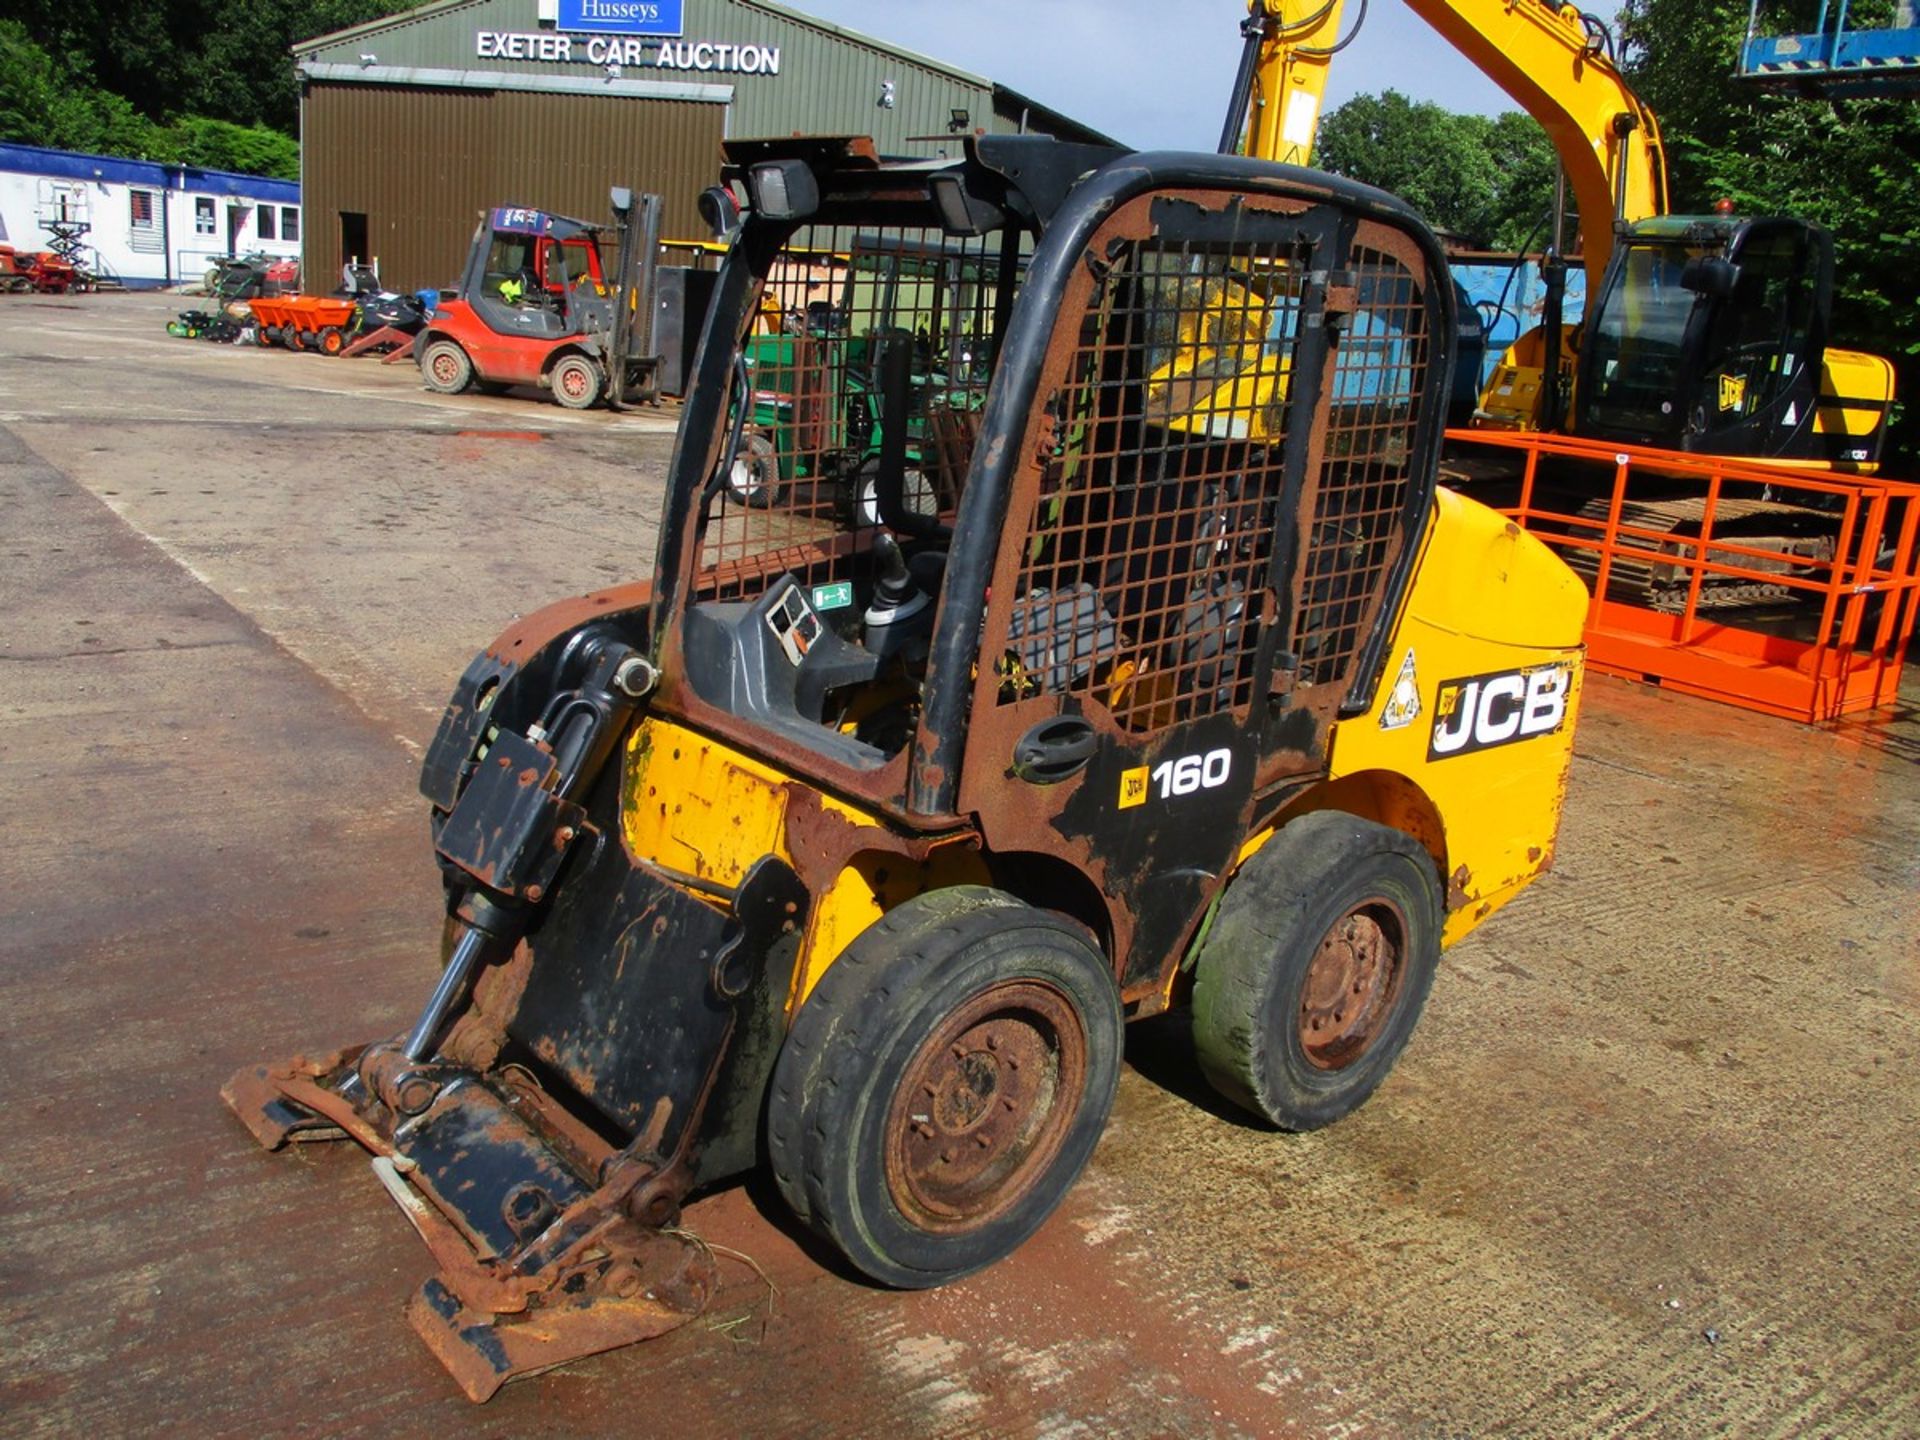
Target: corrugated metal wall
x,y
421,163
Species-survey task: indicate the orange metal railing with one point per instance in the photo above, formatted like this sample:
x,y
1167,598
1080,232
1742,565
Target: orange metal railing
x,y
1791,591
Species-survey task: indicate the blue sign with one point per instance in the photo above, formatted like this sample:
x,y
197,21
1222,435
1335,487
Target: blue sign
x,y
623,17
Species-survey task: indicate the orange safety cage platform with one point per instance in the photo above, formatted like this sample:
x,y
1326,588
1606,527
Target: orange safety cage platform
x,y
1691,591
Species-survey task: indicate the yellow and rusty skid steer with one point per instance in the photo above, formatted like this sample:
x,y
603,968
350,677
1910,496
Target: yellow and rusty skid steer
x,y
1056,621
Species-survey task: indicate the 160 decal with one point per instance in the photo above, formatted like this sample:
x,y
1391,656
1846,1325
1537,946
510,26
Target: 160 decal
x,y
1180,776
1482,711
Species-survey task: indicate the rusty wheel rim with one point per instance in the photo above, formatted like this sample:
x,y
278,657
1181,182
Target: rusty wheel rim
x,y
1353,984
573,381
446,367
984,1105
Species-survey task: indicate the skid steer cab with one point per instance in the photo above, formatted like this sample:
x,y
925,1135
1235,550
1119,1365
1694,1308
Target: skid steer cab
x,y
1155,673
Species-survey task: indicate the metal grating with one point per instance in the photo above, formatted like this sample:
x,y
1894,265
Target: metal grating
x,y
1359,507
1147,576
837,311
1150,542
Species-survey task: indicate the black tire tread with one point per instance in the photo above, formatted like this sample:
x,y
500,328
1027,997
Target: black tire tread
x,y
822,1015
1267,904
830,1048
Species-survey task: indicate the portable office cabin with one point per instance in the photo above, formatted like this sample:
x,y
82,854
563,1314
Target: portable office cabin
x,y
412,125
144,223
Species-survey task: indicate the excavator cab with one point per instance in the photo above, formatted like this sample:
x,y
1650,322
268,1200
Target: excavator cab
x,y
1710,335
848,842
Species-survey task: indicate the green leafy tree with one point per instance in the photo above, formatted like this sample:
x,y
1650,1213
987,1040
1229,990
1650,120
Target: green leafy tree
x,y
52,95
1488,182
46,101
225,59
1847,164
220,145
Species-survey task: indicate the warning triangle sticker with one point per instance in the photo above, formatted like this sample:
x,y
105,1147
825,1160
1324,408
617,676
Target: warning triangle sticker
x,y
1403,705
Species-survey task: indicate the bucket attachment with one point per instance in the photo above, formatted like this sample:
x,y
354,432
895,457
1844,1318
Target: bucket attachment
x,y
539,1264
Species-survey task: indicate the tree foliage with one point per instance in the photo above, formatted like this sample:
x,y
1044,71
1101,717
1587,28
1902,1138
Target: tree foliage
x,y
1488,182
191,82
224,59
1847,164
45,100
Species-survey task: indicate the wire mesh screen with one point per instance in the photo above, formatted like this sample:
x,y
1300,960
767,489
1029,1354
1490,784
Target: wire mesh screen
x,y
1146,575
1360,503
855,333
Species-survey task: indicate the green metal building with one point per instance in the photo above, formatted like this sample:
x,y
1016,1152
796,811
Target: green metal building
x,y
412,125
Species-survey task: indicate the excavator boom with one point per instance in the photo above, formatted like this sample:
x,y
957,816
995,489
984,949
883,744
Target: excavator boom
x,y
1552,59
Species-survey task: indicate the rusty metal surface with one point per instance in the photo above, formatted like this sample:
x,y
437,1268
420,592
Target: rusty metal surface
x,y
1672,1094
984,1106
1352,985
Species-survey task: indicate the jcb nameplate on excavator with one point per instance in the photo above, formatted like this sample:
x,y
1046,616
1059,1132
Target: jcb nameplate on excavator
x,y
1050,625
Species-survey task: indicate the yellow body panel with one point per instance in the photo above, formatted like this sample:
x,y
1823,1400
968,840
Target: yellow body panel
x,y
1488,602
1513,395
1855,391
699,808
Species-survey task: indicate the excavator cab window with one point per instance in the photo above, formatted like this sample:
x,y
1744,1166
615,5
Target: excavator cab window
x,y
1709,337
1636,346
1761,348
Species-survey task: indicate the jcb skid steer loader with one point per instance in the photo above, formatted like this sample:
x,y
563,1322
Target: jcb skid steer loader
x,y
847,844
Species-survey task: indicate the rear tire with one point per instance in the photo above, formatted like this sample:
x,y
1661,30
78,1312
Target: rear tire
x,y
944,1084
445,368
331,341
1316,968
575,381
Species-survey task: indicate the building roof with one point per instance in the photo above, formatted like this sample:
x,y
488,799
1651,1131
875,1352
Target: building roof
x,y
119,170
798,17
1008,101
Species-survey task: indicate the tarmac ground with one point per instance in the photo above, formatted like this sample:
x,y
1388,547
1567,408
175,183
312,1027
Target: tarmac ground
x,y
1648,1167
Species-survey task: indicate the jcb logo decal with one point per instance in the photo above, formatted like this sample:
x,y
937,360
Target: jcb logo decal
x,y
1133,787
1483,711
1733,392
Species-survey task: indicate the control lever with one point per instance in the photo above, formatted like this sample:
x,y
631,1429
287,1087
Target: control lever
x,y
901,612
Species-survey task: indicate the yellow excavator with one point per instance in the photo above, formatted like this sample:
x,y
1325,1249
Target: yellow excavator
x,y
1703,333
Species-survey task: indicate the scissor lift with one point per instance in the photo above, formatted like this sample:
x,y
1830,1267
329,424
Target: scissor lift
x,y
1835,60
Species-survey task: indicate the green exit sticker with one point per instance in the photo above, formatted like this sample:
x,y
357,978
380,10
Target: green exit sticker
x,y
837,596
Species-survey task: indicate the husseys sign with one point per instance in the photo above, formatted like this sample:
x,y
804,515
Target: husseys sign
x,y
625,33
618,17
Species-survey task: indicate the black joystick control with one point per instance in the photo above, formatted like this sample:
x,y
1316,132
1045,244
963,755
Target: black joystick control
x,y
900,615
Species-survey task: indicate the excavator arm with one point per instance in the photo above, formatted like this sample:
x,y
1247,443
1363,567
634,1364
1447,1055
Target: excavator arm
x,y
1551,59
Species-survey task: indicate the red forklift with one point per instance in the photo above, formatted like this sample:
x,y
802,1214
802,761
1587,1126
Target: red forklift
x,y
535,307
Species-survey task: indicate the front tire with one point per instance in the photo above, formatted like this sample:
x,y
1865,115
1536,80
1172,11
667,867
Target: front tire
x,y
1316,969
944,1084
575,381
445,368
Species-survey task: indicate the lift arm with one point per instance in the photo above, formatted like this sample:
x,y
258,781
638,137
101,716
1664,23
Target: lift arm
x,y
1549,58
